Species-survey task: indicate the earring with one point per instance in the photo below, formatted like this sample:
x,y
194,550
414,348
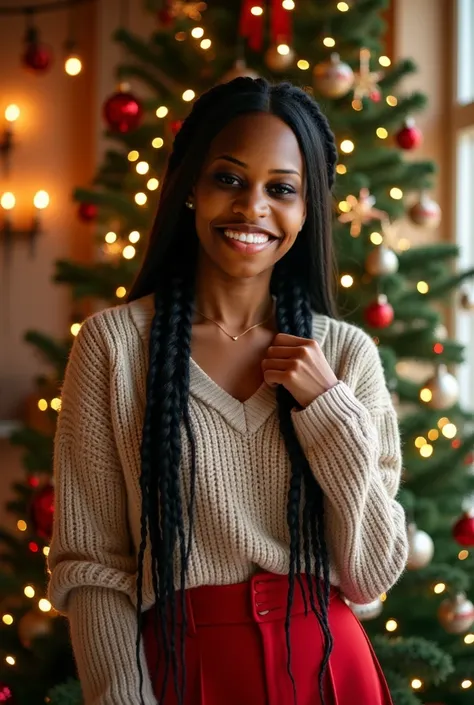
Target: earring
x,y
190,205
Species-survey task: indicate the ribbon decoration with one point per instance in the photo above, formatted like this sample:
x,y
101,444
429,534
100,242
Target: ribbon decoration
x,y
251,26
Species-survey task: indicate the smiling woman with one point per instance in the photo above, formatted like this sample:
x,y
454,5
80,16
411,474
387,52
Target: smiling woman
x,y
227,455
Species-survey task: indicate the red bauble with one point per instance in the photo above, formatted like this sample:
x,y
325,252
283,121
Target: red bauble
x,y
379,314
42,511
175,126
87,212
37,57
375,96
122,112
6,695
410,136
463,530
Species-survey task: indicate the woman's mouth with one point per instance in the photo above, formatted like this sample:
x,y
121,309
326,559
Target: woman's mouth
x,y
247,243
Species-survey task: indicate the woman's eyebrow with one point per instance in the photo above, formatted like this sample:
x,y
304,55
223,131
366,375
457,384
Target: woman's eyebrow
x,y
228,158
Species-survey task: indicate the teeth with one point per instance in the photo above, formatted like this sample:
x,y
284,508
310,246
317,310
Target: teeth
x,y
250,238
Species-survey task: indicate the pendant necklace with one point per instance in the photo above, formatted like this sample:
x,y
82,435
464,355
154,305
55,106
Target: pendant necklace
x,y
234,337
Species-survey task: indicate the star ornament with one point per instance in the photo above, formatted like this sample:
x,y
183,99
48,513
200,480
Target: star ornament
x,y
361,211
366,81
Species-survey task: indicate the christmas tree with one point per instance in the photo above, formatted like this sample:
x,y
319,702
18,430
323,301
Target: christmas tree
x,y
395,291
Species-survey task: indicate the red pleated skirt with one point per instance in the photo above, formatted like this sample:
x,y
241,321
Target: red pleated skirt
x,y
236,652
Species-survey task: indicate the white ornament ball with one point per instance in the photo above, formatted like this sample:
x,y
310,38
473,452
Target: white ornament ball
x,y
382,260
279,62
333,78
456,614
444,389
426,212
421,548
366,612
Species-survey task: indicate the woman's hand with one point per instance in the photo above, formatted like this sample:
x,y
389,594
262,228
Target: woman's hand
x,y
300,366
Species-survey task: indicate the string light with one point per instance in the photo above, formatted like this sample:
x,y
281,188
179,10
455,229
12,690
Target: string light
x,y
347,281
382,133
376,238
347,146
426,394
443,421
256,10
120,292
7,619
449,430
162,111
383,597
141,198
343,6
45,605
426,451
73,65
10,660
329,42
384,61
42,404
466,684
110,238
392,100
12,112
423,287
197,32
180,36
420,442
344,206
283,49
391,625
142,167
288,5
396,193
303,64
129,252
462,555
133,155
29,591
157,143
8,201
469,639
205,44
416,684
188,95
75,328
341,169
46,551
21,525
433,434
41,200
134,236
439,588
357,105
152,184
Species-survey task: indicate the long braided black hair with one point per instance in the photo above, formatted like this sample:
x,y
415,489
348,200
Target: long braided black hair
x,y
301,283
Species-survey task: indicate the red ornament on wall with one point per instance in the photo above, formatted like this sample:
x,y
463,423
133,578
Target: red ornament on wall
x,y
6,695
379,314
42,511
37,57
122,112
87,212
410,136
463,530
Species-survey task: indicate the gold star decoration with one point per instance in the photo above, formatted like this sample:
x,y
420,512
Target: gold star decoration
x,y
361,211
366,81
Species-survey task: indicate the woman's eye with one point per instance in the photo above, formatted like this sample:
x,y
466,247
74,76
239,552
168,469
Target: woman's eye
x,y
226,179
283,189
274,189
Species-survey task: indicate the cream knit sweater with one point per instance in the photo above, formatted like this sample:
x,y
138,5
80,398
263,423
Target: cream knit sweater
x,y
350,437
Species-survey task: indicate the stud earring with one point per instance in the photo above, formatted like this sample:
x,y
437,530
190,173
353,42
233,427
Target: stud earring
x,y
190,205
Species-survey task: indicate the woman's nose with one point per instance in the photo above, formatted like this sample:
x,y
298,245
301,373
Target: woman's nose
x,y
252,203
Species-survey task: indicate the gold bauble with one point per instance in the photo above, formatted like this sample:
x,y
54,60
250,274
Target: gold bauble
x,y
278,62
421,548
444,389
333,78
366,612
238,70
34,624
456,614
382,260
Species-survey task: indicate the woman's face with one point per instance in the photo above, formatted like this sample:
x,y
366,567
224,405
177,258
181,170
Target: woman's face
x,y
250,196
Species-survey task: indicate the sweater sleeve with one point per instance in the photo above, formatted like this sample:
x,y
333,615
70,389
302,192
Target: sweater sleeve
x,y
91,560
352,442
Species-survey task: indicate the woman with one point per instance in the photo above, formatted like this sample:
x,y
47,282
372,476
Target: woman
x,y
227,454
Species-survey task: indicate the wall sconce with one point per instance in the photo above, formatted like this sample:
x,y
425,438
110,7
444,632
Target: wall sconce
x,y
7,230
12,113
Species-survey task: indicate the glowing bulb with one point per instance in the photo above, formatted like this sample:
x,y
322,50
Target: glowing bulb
x,y
469,639
75,328
391,625
197,32
205,44
416,684
383,597
466,684
111,237
133,155
423,287
462,555
256,10
347,281
21,525
7,619
384,61
162,111
42,404
41,200
420,442
347,146
439,588
129,252
392,100
12,112
120,292
303,64
329,42
396,193
438,348
288,5
10,660
7,201
342,6
357,104
426,451
283,49
344,206
449,430
433,434
341,169
142,167
382,133
152,184
44,605
376,238
29,591
46,550
141,198
180,36
188,95
134,236
157,143
73,65
55,404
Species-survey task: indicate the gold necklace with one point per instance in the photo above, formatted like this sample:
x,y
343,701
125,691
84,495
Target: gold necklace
x,y
234,337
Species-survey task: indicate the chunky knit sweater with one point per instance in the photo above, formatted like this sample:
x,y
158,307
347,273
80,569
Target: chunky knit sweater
x,y
349,435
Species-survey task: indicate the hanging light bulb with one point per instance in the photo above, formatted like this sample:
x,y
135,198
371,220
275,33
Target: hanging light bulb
x,y
73,65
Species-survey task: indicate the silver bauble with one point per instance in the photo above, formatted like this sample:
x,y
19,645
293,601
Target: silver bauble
x,y
366,612
425,212
421,548
380,261
333,78
444,389
456,614
278,62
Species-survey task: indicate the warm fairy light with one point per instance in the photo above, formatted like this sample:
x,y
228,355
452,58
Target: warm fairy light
x,y
21,525
392,100
180,36
423,287
10,660
56,404
391,625
152,184
396,193
357,105
111,237
347,281
142,167
382,133
449,430
73,66
120,292
33,546
46,551
29,591
283,49
134,236
75,328
129,252
256,10
416,684
141,198
420,442
443,421
384,61
7,619
12,112
347,146
466,684
376,238
341,169
469,639
157,142
404,244
188,95
205,44
426,394
288,5
343,6
303,64
45,605
42,404
133,155
7,201
162,111
439,588
197,32
462,555
344,206
426,451
438,348
41,200
433,434
329,42
383,597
